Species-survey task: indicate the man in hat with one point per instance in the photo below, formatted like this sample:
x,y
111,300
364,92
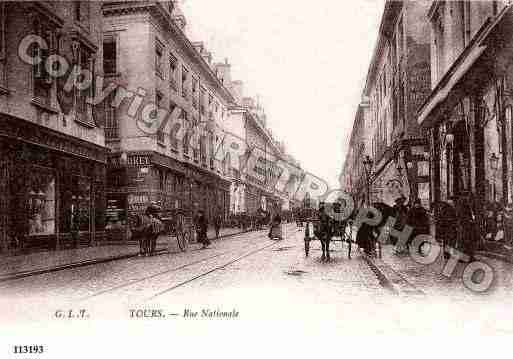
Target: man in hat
x,y
202,229
401,214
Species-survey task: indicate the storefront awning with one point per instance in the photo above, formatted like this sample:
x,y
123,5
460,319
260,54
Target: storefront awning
x,y
460,67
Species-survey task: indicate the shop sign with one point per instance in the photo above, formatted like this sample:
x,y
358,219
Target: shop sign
x,y
115,210
137,202
132,160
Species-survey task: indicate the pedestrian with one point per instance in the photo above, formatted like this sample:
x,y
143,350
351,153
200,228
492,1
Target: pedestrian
x,y
275,231
418,219
490,223
400,213
201,230
217,224
508,225
468,230
364,237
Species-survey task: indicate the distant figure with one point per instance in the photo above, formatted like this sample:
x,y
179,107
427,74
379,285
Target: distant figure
x,y
201,229
275,230
217,224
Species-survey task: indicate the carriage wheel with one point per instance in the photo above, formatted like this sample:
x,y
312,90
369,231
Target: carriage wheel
x,y
183,241
307,246
182,235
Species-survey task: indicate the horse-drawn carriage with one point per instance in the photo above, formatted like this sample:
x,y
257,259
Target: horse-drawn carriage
x,y
337,226
328,224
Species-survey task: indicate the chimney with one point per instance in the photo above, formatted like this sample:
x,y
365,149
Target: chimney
x,y
237,88
224,72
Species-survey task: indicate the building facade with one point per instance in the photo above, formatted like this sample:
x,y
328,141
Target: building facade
x,y
468,114
174,163
397,84
52,151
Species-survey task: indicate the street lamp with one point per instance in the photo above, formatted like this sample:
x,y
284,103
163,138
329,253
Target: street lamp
x,y
367,164
494,165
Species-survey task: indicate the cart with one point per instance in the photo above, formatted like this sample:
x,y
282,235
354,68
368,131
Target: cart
x,y
178,224
340,234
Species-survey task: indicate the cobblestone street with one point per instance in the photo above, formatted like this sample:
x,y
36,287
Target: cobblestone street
x,y
261,280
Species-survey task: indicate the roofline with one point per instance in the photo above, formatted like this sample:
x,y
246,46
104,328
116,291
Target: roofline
x,y
390,7
157,8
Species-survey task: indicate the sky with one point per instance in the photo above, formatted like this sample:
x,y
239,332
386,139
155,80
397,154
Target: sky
x,y
306,60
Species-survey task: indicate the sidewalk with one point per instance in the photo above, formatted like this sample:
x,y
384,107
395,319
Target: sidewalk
x,y
404,276
13,267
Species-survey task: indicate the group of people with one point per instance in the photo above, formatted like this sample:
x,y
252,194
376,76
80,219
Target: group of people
x,y
498,222
413,215
147,226
201,224
246,221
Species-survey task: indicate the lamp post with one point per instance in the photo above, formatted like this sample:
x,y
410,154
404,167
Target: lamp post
x,y
367,165
494,165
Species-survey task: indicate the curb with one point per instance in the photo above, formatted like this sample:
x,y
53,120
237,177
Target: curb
x,y
500,257
20,275
390,279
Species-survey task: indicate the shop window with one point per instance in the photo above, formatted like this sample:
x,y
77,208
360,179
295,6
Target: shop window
x,y
76,204
99,206
41,202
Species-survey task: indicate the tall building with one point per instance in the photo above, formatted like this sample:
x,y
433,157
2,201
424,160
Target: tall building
x,y
52,150
397,84
160,158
